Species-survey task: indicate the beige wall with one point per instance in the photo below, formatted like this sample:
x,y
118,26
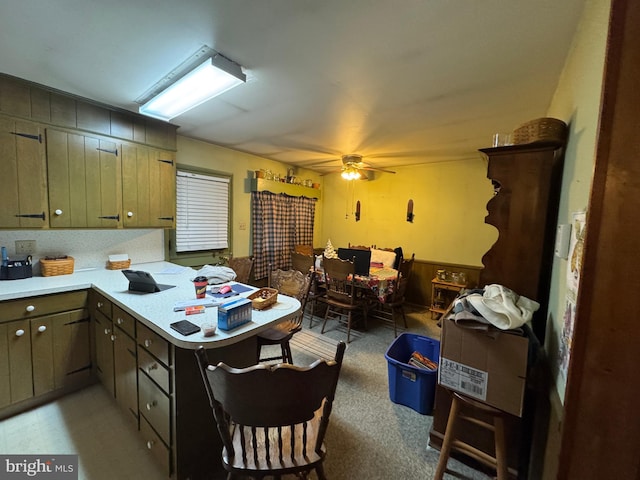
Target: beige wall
x,y
449,206
577,102
242,166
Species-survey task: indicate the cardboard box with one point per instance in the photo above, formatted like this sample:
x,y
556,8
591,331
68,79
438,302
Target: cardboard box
x,y
490,366
234,314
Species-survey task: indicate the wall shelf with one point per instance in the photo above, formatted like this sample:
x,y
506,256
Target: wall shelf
x,y
262,185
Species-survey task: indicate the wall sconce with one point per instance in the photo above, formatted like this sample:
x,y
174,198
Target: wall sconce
x,y
410,211
203,76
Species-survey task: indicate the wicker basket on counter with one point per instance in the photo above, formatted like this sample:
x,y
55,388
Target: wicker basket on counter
x,y
263,298
541,130
56,266
119,265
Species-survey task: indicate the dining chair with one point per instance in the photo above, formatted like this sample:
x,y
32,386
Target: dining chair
x,y
342,296
406,267
242,266
295,284
272,418
304,249
392,306
306,264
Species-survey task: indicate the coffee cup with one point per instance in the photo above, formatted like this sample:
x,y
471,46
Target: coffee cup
x,y
201,286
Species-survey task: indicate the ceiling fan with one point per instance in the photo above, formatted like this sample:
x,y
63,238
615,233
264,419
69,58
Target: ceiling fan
x,y
352,164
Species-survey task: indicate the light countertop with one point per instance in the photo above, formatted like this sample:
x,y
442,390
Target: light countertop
x,y
154,310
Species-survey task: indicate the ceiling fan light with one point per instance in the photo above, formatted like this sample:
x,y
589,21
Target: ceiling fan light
x,y
350,173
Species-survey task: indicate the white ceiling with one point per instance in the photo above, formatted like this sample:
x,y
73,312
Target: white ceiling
x,y
400,82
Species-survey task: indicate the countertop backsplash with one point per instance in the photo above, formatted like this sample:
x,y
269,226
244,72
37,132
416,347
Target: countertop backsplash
x,y
89,248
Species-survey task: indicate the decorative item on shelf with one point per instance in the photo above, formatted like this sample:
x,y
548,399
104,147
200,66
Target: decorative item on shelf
x,y
59,265
410,211
315,185
441,275
357,215
541,130
260,173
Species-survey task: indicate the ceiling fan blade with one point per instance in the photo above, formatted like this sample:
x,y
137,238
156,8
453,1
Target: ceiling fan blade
x,y
376,169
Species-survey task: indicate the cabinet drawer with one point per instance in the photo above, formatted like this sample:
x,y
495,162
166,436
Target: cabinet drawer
x,y
44,305
157,448
101,304
154,404
152,367
124,320
154,343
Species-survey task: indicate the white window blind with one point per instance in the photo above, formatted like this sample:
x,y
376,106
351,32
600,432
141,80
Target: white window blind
x,y
202,212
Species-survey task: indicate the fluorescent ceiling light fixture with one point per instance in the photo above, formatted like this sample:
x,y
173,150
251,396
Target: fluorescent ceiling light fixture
x,y
216,75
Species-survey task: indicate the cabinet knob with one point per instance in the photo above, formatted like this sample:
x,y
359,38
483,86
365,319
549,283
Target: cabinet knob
x,y
120,321
19,332
100,304
129,214
151,405
113,338
30,308
58,211
150,444
107,331
42,328
153,366
147,343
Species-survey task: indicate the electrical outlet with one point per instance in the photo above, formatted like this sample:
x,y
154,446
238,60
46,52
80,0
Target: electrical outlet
x,y
25,247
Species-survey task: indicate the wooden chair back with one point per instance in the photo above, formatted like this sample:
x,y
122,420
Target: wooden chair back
x,y
302,262
242,266
406,266
272,418
295,284
339,276
304,249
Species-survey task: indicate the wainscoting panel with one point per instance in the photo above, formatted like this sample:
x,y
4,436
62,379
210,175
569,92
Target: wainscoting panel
x,y
419,288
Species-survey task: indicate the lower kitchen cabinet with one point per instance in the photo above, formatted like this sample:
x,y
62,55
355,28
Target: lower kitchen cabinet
x,y
44,349
16,362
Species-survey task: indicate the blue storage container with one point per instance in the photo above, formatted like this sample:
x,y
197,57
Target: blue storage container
x,y
412,386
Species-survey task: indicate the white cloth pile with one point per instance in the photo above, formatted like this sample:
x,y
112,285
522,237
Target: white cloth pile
x,y
216,274
496,305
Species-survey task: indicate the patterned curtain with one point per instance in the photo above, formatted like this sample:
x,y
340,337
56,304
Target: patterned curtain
x,y
279,223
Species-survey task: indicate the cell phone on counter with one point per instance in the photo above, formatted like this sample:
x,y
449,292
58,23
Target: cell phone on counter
x,y
185,327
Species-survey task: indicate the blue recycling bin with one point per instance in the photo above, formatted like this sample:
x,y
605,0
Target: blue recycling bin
x,y
412,386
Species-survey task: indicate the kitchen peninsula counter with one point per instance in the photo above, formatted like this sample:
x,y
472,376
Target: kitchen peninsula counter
x,y
155,310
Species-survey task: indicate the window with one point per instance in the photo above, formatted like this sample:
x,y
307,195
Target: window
x,y
202,215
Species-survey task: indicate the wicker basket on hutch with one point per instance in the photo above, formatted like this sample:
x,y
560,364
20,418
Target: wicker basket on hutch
x,y
541,130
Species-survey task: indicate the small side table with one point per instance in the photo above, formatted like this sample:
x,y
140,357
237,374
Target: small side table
x,y
442,294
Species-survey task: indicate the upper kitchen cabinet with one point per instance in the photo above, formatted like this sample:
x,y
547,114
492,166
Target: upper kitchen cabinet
x,y
148,187
24,185
84,174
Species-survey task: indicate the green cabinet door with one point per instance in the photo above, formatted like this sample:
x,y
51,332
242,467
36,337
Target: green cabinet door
x,y
148,187
84,181
23,195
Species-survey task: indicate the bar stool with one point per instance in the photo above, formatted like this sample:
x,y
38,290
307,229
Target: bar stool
x,y
460,402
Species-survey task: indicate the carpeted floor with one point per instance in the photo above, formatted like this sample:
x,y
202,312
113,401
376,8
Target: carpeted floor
x,y
369,436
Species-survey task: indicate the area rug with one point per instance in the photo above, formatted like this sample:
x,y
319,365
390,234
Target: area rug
x,y
314,344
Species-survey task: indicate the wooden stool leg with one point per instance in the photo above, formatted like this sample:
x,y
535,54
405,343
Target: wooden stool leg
x,y
449,436
501,449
